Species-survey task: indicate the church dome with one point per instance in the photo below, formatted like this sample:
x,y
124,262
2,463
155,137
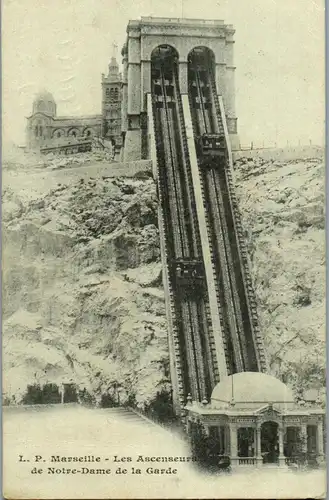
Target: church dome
x,y
251,389
44,102
45,95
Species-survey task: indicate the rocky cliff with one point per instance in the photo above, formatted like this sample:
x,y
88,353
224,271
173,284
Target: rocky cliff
x,y
82,292
282,205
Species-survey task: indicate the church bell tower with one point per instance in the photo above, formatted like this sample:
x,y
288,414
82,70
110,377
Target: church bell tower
x,y
111,102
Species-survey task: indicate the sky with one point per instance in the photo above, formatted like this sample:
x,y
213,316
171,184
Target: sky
x,y
63,46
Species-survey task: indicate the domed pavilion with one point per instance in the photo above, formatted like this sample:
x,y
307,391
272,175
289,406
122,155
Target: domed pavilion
x,y
253,418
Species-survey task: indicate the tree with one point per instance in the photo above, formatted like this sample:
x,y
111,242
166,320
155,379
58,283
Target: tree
x,y
199,443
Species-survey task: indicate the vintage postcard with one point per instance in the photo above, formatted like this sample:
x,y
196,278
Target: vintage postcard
x,y
163,194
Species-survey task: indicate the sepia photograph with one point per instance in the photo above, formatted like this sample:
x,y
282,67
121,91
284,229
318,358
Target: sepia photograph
x,y
163,249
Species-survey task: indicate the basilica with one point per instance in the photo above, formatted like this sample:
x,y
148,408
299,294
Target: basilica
x,y
46,131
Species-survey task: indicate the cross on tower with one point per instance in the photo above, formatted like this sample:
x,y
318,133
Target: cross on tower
x,y
114,50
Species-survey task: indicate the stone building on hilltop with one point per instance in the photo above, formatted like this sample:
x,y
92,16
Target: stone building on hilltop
x,y
45,129
46,132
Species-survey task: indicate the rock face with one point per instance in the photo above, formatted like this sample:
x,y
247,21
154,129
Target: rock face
x,y
282,205
82,291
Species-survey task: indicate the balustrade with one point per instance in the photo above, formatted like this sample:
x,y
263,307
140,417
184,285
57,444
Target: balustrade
x,y
247,461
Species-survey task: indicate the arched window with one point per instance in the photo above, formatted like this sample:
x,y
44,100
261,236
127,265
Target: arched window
x,y
58,134
107,92
112,94
40,131
36,130
88,133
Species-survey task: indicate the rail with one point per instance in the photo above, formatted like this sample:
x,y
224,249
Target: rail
x,y
180,240
210,302
210,231
173,337
241,246
230,260
172,213
216,225
203,313
247,296
217,339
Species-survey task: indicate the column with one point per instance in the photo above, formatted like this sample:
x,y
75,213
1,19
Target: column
x,y
233,444
152,156
145,83
220,67
319,441
220,80
134,74
222,436
132,149
134,89
303,436
281,457
225,440
124,102
229,98
230,93
183,77
62,392
258,433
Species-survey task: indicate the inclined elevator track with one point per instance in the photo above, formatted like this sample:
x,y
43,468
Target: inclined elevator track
x,y
191,333
193,338
234,291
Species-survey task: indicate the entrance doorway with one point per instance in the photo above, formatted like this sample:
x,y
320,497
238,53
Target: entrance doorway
x,y
292,438
246,442
269,442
